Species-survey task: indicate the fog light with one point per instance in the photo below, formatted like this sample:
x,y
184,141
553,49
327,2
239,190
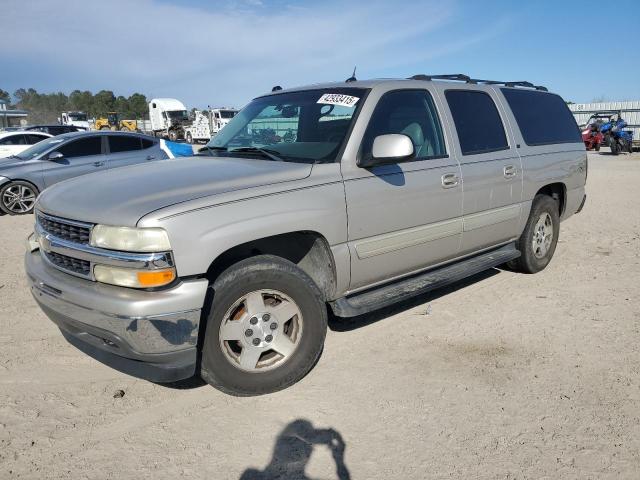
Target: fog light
x,y
129,277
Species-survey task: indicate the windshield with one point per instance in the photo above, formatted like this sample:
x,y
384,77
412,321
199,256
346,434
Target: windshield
x,y
78,117
39,148
177,114
227,113
307,126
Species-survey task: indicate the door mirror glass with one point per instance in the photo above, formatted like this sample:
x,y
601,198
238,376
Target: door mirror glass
x,y
55,156
389,148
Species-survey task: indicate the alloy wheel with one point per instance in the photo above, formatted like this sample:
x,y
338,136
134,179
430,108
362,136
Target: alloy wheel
x,y
19,199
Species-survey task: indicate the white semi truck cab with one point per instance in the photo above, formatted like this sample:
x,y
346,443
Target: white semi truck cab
x,y
77,119
168,118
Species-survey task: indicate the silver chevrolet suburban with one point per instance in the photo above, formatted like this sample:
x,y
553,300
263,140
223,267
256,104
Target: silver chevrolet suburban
x,y
349,195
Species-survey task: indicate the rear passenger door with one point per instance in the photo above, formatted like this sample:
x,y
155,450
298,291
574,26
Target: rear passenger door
x,y
81,156
130,149
123,150
491,168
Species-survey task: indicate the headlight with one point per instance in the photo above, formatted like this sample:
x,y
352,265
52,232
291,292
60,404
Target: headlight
x,y
129,239
129,277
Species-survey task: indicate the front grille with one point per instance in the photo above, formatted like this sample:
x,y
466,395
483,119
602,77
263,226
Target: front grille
x,y
75,265
64,230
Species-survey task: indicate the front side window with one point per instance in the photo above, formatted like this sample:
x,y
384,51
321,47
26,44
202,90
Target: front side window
x,y
32,139
82,148
543,118
307,126
124,143
411,113
477,121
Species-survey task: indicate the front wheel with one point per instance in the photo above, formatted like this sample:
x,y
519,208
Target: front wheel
x,y
18,198
538,241
266,327
189,138
614,147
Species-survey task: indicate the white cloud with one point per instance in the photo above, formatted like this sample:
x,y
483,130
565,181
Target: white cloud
x,y
205,56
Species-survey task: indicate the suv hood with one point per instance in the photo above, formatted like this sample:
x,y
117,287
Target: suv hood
x,y
122,196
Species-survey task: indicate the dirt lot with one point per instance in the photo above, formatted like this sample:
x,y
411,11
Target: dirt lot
x,y
507,376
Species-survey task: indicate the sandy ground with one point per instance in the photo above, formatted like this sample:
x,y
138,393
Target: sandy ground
x,y
508,376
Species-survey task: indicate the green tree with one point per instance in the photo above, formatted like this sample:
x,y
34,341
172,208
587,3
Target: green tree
x,y
103,102
4,95
138,105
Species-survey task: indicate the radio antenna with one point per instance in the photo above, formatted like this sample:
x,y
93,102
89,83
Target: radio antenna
x,y
352,78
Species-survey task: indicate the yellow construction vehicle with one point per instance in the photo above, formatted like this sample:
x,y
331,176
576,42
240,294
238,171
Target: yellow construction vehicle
x,y
113,122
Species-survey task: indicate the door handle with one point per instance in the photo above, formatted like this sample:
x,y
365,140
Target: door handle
x,y
449,180
509,171
150,157
98,164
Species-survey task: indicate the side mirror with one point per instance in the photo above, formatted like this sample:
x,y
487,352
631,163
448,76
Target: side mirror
x,y
55,156
387,149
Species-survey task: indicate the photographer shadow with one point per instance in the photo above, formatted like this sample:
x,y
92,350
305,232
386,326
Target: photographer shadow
x,y
293,449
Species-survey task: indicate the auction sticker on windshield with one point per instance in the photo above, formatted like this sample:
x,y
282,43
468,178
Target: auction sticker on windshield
x,y
338,99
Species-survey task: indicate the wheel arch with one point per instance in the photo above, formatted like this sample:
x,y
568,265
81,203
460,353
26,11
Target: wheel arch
x,y
309,250
557,191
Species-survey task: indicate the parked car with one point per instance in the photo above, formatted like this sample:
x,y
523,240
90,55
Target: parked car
x,y
15,142
55,129
222,265
24,175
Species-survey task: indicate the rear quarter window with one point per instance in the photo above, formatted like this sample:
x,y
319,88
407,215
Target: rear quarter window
x,y
543,118
477,121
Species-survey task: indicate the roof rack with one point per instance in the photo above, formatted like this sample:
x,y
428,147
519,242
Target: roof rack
x,y
467,79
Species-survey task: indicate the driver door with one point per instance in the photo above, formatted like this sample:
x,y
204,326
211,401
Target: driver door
x,y
81,156
407,216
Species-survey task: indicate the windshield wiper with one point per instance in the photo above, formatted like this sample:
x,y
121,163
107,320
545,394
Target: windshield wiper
x,y
272,154
210,150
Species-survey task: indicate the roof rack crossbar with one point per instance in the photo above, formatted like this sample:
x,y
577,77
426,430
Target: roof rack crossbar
x,y
454,76
466,78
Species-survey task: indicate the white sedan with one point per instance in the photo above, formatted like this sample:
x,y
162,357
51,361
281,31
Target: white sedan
x,y
12,143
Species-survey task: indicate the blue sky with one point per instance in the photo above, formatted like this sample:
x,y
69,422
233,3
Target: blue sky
x,y
225,52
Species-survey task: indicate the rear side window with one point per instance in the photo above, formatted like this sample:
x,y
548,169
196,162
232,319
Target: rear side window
x,y
123,143
18,139
82,147
478,123
543,117
411,113
33,139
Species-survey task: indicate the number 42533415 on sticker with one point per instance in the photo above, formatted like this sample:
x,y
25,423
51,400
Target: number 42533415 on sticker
x,y
338,99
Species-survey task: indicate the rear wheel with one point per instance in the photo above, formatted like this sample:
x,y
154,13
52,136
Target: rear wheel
x,y
266,327
597,147
173,136
538,241
18,197
189,138
124,129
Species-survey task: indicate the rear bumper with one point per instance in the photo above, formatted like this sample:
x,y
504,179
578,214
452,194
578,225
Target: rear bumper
x,y
150,335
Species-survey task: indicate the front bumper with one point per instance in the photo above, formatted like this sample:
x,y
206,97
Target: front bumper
x,y
147,334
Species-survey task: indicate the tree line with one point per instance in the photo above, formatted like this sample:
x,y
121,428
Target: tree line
x,y
46,107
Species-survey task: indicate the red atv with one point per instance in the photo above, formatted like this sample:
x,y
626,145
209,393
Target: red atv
x,y
591,134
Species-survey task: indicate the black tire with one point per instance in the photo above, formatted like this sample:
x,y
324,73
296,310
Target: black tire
x,y
597,147
173,136
529,261
189,138
630,147
271,273
613,144
5,205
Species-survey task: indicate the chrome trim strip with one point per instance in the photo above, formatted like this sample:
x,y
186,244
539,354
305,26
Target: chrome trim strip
x,y
491,217
390,242
94,255
75,223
